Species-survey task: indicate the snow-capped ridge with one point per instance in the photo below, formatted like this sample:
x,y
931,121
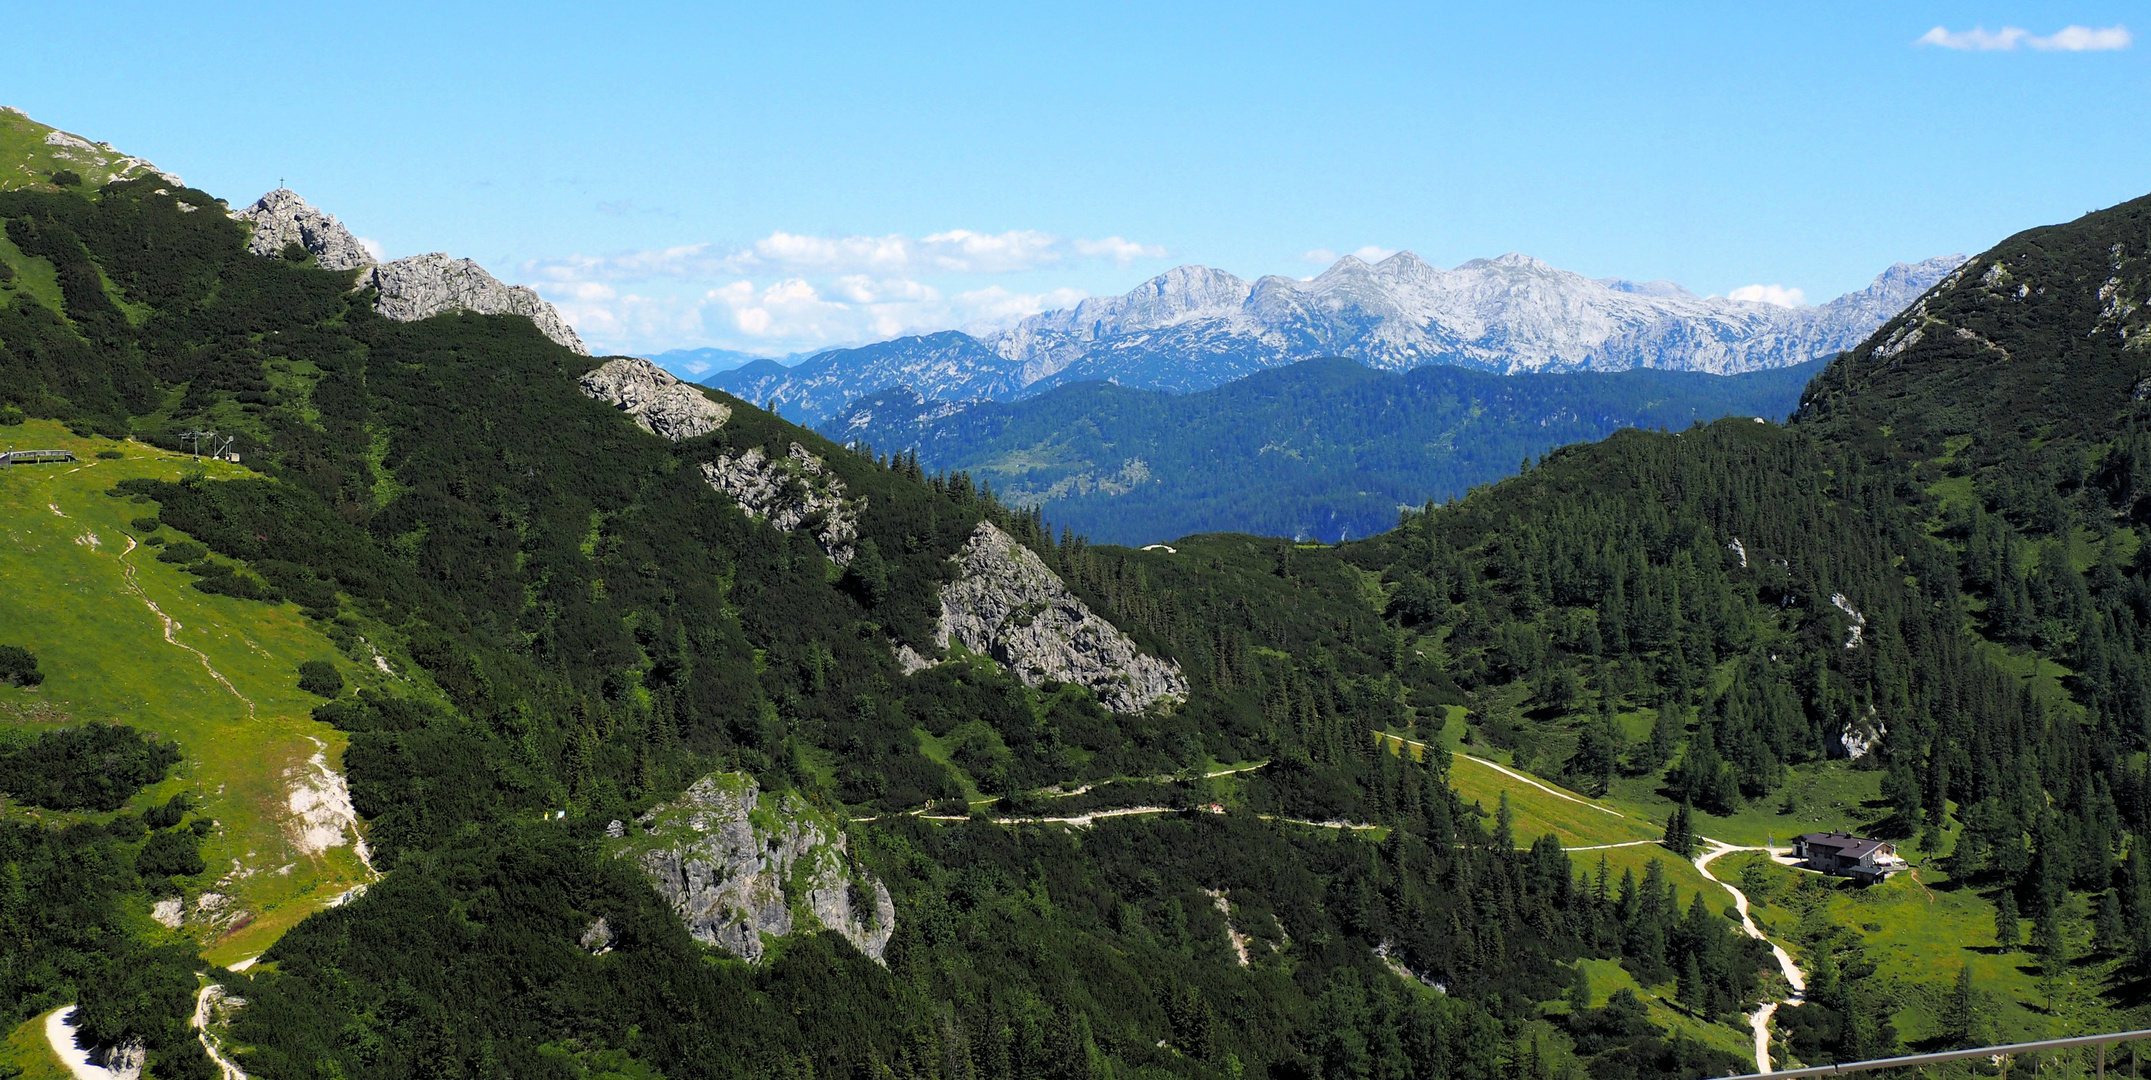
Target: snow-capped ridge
x,y
1194,327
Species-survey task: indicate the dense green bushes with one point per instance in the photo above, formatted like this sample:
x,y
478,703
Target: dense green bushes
x,y
18,666
320,678
92,767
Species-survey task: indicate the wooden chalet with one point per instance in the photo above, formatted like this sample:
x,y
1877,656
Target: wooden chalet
x,y
1847,855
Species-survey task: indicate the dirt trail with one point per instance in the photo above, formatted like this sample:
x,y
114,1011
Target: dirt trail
x,y
1759,1020
60,1035
1922,885
1511,774
1078,820
172,626
1055,793
205,1003
1338,824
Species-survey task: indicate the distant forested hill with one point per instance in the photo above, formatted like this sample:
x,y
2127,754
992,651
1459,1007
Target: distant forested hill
x,y
1321,450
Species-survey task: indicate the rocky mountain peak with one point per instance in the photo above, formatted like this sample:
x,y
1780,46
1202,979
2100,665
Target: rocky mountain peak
x,y
1172,297
281,218
1193,328
658,401
423,286
406,290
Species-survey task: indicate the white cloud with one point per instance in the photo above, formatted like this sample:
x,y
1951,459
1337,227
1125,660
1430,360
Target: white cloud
x,y
994,308
789,315
956,251
1119,250
1777,295
2008,38
962,251
373,248
2085,39
791,291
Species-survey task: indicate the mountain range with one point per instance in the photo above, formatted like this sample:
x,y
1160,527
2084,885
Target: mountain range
x,y
696,363
1196,327
494,709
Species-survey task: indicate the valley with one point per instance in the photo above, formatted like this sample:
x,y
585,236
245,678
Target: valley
x,y
1323,450
539,713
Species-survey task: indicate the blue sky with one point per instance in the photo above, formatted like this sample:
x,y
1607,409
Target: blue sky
x,y
786,176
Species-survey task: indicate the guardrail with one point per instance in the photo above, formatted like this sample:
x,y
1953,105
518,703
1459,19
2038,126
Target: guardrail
x,y
28,457
1912,1061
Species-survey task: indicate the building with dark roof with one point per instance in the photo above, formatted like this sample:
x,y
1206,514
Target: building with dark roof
x,y
1847,855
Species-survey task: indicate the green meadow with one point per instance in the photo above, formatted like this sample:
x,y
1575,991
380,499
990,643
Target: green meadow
x,y
123,638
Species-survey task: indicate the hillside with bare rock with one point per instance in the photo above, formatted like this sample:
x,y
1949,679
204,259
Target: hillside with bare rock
x,y
423,286
1005,603
739,866
654,398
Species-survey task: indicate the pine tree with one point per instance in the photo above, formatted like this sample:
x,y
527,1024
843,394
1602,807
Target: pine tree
x,y
1504,825
1665,736
1960,1015
2008,925
2107,932
1690,992
2051,946
1680,832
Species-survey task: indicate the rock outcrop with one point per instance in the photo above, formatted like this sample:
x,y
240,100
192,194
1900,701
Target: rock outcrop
x,y
123,1060
423,286
281,218
405,290
739,866
655,399
795,491
1007,604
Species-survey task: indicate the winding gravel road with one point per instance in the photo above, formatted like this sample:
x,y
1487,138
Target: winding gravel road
x,y
1759,1020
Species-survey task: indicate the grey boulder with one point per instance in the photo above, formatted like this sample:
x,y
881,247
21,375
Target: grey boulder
x,y
658,401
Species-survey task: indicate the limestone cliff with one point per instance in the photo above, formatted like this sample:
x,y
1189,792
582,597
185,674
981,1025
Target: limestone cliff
x,y
739,866
281,218
423,286
798,490
655,399
1006,604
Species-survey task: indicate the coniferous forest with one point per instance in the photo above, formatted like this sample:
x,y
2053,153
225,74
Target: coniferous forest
x,y
586,627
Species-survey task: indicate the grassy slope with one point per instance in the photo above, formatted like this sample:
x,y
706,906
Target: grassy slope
x,y
26,1049
1921,943
33,160
105,659
34,278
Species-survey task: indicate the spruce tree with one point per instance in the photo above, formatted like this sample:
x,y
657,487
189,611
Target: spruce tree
x,y
1690,992
1960,1016
2008,926
1680,832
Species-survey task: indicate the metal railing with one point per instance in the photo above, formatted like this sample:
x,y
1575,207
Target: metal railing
x,y
1911,1061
